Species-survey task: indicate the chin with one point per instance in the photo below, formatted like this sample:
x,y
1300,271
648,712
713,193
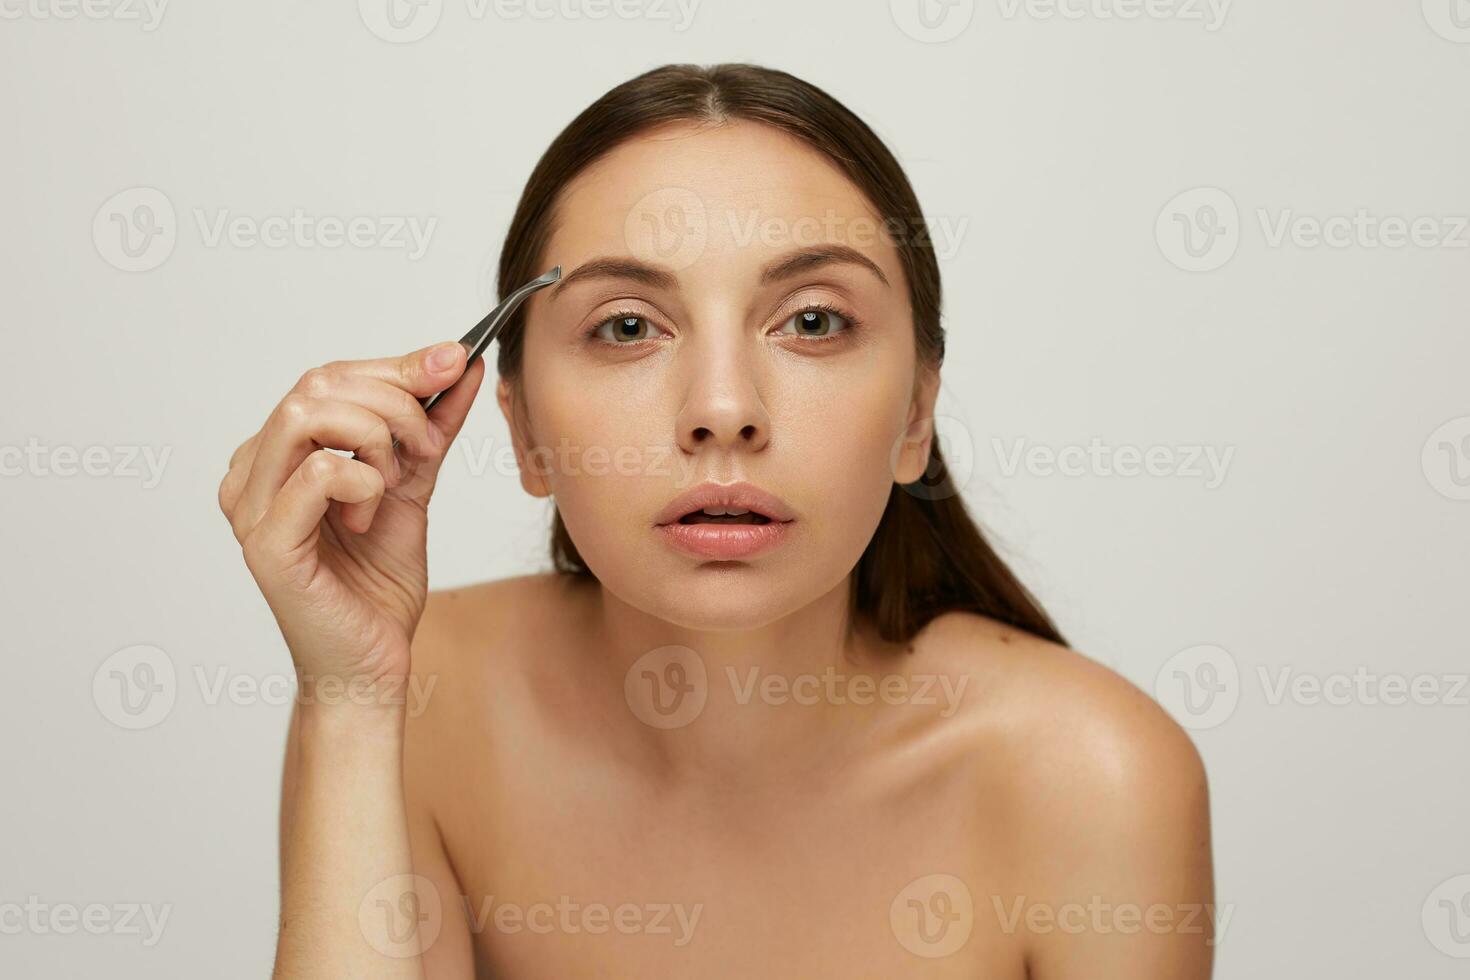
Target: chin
x,y
718,596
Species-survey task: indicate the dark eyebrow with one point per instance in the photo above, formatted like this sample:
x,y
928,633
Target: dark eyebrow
x,y
659,278
812,258
609,268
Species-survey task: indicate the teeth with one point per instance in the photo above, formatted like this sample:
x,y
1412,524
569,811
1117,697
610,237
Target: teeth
x,y
717,511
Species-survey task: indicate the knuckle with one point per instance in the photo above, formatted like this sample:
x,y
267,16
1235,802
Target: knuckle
x,y
241,450
295,410
224,496
320,466
317,382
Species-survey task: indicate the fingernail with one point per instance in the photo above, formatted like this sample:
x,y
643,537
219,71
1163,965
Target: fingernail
x,y
442,358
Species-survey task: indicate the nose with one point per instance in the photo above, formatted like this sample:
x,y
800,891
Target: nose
x,y
723,408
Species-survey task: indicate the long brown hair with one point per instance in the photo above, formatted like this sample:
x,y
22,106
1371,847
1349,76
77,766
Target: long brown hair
x,y
927,555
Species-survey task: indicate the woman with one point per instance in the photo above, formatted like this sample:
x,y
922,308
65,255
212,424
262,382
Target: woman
x,y
807,724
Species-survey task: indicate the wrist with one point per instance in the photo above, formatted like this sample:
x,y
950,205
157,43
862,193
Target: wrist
x,y
325,719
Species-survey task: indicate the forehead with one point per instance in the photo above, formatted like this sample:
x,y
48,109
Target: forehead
x,y
686,195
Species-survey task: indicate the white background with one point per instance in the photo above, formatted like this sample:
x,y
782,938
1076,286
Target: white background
x,y
1051,146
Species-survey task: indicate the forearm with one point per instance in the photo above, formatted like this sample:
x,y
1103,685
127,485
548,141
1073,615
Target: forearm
x,y
346,904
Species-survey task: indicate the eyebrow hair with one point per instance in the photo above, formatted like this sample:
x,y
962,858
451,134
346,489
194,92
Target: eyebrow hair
x,y
812,258
785,267
615,268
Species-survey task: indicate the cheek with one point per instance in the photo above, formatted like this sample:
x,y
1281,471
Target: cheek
x,y
840,440
606,444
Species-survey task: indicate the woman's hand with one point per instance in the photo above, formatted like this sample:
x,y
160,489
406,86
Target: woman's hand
x,y
337,544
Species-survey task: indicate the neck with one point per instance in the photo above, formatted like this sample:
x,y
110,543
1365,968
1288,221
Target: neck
x,y
725,702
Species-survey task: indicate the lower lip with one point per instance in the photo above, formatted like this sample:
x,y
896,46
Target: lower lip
x,y
725,542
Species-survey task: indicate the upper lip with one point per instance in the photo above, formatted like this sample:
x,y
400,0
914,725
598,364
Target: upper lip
x,y
740,496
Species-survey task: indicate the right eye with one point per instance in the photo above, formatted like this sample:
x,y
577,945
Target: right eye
x,y
623,329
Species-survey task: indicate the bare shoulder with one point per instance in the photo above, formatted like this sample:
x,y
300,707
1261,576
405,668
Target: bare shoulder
x,y
1091,760
472,638
482,611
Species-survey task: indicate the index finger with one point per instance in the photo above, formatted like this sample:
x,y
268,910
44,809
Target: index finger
x,y
422,373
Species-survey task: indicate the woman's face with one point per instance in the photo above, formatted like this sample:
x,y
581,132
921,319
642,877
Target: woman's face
x,y
690,353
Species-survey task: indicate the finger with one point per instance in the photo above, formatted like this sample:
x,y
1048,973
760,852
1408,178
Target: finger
x,y
296,512
420,373
402,412
450,412
299,426
234,479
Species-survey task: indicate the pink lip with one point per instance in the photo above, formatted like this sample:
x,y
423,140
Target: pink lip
x,y
725,542
740,495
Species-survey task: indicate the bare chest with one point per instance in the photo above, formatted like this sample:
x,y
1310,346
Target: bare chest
x,y
570,870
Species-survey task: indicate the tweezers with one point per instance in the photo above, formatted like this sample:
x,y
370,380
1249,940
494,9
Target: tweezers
x,y
477,341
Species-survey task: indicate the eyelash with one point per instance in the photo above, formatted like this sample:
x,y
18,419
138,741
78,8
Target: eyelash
x,y
816,306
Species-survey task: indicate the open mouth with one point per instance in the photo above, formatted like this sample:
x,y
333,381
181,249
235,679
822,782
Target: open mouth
x,y
720,515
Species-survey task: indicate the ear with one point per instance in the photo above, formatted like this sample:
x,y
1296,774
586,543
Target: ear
x,y
911,453
532,465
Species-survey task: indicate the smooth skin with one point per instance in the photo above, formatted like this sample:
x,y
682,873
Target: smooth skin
x,y
1008,809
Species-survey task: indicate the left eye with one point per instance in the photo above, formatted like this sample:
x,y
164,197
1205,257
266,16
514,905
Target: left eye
x,y
817,323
